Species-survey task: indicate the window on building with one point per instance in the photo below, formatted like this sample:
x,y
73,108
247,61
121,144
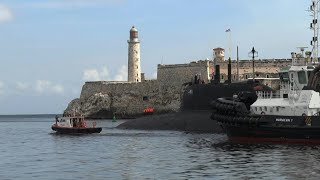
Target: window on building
x,y
246,76
267,76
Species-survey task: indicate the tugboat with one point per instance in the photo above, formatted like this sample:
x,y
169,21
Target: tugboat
x,y
74,125
291,116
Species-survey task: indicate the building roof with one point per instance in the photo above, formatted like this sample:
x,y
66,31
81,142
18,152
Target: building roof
x,y
218,48
133,29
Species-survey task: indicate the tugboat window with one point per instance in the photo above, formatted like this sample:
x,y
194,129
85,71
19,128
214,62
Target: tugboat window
x,y
284,76
302,77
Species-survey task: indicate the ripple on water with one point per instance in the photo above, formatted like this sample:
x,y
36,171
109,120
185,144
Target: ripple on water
x,y
29,150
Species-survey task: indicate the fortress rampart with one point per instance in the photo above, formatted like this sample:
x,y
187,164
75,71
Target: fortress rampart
x,y
103,99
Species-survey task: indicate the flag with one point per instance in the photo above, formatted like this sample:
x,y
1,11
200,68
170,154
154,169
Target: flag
x,y
228,30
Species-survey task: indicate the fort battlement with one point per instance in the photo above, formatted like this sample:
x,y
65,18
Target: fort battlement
x,y
103,99
128,99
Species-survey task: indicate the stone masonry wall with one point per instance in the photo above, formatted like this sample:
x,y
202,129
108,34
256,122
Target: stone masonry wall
x,y
103,99
176,75
263,68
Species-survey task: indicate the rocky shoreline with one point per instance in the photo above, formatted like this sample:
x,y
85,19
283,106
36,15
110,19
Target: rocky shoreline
x,y
189,121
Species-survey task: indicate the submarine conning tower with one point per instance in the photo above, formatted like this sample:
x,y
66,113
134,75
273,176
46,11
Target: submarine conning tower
x,y
134,68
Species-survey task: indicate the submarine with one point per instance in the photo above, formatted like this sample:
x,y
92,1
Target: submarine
x,y
198,96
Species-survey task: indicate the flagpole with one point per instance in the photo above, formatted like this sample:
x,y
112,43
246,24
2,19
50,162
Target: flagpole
x,y
230,43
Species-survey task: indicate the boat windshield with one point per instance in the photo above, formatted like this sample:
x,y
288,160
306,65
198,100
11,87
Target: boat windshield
x,y
302,77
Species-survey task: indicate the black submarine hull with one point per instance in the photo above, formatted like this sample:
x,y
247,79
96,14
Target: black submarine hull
x,y
199,96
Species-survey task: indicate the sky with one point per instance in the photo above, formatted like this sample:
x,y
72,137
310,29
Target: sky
x,y
50,48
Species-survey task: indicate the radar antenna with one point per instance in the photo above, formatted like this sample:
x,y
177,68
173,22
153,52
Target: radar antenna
x,y
302,50
315,74
314,10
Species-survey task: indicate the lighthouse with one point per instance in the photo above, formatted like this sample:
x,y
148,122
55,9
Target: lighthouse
x,y
134,69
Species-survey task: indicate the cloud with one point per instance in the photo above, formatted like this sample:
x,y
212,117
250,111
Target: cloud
x,y
71,4
122,74
1,88
44,86
57,89
91,75
5,14
95,75
22,86
103,74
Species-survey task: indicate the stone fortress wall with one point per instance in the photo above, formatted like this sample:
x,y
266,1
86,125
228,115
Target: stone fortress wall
x,y
104,99
265,68
128,99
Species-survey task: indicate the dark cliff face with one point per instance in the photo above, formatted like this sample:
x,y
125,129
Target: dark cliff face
x,y
200,96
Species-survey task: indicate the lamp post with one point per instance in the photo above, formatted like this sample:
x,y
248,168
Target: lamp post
x,y
253,53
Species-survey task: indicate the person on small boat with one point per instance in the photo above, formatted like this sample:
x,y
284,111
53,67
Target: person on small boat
x,y
74,124
57,119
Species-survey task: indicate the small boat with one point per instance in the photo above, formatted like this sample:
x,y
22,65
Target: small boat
x,y
74,125
291,116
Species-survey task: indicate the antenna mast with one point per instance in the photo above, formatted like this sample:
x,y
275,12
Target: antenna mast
x,y
314,10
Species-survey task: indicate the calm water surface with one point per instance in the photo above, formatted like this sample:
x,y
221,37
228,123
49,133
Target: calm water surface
x,y
30,150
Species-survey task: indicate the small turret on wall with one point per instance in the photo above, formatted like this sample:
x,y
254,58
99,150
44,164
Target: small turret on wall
x,y
218,55
134,68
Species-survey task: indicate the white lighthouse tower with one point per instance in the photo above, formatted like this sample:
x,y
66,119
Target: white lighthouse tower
x,y
134,69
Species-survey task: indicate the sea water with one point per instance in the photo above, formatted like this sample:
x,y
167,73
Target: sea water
x,y
29,149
